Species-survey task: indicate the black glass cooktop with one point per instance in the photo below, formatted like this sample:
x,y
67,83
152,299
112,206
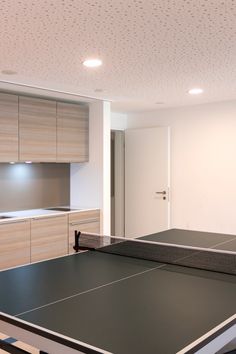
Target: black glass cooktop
x,y
61,209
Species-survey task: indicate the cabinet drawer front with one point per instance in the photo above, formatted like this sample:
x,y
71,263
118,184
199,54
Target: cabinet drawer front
x,y
37,129
72,132
84,216
49,237
14,244
8,127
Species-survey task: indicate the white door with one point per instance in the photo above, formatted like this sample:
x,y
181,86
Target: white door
x,y
147,178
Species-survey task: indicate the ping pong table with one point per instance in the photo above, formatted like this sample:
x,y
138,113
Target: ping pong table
x,y
108,301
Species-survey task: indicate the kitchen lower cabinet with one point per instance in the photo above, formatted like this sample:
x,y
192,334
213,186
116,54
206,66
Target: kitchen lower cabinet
x,y
84,221
49,237
14,243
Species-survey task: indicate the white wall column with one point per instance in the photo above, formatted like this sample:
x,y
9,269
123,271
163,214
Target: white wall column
x,y
90,182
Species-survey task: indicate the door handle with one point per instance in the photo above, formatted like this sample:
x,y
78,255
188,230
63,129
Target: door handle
x,y
163,193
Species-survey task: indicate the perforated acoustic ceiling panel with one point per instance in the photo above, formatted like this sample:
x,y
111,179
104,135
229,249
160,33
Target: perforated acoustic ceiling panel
x,y
152,50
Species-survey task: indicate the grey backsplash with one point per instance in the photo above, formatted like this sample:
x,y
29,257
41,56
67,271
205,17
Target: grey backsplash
x,y
32,186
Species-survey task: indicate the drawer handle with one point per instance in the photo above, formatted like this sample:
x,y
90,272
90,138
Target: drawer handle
x,y
13,222
48,217
87,221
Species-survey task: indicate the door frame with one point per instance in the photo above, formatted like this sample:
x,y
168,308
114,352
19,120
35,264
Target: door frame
x,y
118,182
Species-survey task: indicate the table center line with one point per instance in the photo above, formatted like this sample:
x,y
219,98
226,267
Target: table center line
x,y
210,248
89,290
222,243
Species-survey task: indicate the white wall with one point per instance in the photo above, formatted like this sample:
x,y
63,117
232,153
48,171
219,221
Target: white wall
x,y
90,182
118,121
203,164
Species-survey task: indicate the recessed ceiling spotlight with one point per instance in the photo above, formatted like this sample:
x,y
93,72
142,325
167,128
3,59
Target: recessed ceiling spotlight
x,y
9,72
28,161
12,163
92,63
195,91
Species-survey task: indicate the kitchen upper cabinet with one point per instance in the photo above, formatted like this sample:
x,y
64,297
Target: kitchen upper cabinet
x,y
14,243
8,127
72,132
49,237
41,130
37,129
84,221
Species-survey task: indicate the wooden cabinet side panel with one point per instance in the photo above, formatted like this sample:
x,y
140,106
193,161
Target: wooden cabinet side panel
x,y
8,127
37,129
72,132
49,237
14,244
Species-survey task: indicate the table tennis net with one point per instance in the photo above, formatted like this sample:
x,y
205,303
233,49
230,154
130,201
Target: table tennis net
x,y
207,259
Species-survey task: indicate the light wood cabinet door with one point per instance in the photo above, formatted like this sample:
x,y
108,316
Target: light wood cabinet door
x,y
14,243
84,221
37,129
49,237
8,127
72,132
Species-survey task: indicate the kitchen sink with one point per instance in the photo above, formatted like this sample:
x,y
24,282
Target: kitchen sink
x,y
61,209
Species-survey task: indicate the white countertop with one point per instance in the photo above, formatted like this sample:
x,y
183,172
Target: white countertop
x,y
39,212
29,213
